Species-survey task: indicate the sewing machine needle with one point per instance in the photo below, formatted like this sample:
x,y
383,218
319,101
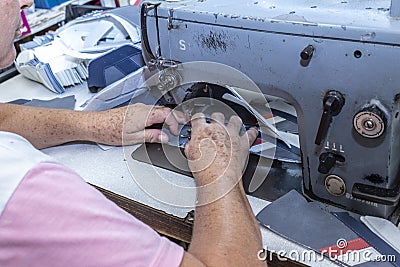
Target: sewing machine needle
x,y
239,100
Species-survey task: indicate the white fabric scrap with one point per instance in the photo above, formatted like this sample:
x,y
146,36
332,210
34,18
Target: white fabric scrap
x,y
383,228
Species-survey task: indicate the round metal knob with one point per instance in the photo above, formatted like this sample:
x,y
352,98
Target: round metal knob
x,y
370,122
335,185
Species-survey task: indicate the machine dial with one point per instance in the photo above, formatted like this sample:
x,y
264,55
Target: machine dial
x,y
370,122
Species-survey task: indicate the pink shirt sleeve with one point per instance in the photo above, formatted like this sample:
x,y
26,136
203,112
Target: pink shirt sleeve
x,y
55,219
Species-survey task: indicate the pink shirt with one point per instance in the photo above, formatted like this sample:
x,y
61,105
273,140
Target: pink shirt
x,y
54,218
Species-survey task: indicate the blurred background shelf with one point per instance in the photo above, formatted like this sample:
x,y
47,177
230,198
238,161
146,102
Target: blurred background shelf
x,y
43,20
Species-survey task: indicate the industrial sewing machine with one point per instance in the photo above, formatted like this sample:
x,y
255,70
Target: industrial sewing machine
x,y
336,62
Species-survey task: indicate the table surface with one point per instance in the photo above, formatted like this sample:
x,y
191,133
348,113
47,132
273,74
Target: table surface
x,y
115,170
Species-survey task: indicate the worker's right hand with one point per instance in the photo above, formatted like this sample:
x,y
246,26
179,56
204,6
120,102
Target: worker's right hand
x,y
128,125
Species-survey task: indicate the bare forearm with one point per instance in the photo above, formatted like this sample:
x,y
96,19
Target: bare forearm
x,y
43,127
225,230
50,127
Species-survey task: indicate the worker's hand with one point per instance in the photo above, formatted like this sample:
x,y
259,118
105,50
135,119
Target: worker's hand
x,y
217,150
127,124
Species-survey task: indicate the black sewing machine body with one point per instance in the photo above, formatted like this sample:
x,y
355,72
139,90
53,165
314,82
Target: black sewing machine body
x,y
338,63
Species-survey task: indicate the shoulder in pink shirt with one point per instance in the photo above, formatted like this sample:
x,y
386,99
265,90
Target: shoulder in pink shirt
x,y
54,218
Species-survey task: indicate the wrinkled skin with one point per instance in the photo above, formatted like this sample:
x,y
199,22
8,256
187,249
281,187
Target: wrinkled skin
x,y
225,232
215,149
10,21
107,126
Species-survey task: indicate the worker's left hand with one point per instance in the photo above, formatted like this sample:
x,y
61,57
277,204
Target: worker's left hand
x,y
127,125
216,150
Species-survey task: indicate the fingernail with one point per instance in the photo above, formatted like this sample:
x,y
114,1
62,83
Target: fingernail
x,y
162,139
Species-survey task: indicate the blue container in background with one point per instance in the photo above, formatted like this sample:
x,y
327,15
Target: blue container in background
x,y
47,4
113,66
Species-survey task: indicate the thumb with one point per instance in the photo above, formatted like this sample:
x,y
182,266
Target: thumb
x,y
186,149
155,136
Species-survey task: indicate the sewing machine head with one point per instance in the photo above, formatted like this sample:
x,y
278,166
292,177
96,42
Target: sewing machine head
x,y
337,63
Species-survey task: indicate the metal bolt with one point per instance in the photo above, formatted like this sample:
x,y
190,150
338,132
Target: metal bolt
x,y
369,124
